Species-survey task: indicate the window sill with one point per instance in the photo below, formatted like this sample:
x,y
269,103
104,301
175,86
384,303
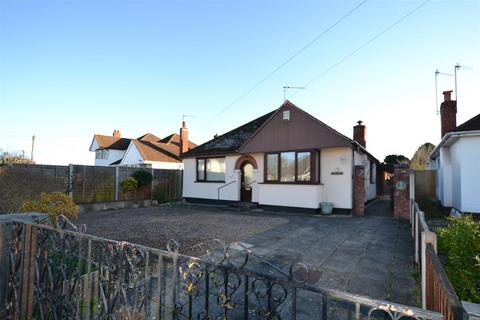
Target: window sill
x,y
206,181
293,183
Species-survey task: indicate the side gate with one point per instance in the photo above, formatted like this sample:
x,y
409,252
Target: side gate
x,y
63,273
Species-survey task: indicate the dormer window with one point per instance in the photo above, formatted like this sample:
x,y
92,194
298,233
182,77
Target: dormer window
x,y
101,154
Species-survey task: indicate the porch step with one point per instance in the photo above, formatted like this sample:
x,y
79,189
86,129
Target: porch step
x,y
243,206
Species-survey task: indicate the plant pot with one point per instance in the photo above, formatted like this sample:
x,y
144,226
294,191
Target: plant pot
x,y
327,207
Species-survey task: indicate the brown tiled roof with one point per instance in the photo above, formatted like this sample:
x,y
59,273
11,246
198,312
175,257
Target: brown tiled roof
x,y
109,142
470,125
149,137
151,147
166,149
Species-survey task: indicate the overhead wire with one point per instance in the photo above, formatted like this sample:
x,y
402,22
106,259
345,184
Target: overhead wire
x,y
349,55
271,73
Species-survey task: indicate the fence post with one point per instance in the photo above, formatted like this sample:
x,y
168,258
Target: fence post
x,y
70,180
151,183
427,237
412,185
116,182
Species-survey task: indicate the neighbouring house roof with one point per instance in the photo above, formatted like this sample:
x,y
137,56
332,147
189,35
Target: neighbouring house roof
x,y
469,125
153,148
109,142
231,141
254,137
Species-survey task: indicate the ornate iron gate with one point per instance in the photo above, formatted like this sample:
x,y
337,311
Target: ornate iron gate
x,y
66,274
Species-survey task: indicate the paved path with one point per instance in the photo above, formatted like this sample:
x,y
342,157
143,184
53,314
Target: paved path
x,y
368,255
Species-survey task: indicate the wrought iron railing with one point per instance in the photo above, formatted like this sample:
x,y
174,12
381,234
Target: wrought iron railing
x,y
223,186
65,274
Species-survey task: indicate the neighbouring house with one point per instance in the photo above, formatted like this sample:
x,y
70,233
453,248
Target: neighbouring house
x,y
284,158
145,151
457,159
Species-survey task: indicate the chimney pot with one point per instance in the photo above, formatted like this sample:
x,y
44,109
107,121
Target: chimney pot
x,y
447,95
359,133
215,136
117,134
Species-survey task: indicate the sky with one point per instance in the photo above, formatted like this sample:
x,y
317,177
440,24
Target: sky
x,y
69,69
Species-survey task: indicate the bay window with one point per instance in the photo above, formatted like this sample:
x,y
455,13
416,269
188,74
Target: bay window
x,y
211,169
291,167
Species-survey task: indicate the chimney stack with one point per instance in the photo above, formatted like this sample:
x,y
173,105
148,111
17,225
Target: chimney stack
x,y
359,132
183,138
117,134
448,113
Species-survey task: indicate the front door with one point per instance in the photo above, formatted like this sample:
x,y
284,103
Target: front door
x,y
247,181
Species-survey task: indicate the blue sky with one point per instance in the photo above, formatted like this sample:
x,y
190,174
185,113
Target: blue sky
x,y
69,69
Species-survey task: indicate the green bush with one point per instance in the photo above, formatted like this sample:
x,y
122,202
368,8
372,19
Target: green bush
x,y
144,178
460,241
128,185
53,203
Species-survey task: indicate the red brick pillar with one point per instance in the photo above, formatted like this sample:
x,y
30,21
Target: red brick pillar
x,y
359,191
401,193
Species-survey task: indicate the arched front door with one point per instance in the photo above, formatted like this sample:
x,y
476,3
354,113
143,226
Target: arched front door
x,y
246,170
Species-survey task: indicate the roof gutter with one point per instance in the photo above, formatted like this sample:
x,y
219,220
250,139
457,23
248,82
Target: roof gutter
x,y
450,138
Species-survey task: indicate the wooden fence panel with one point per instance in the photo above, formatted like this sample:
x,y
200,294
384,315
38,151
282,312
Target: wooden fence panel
x,y
93,184
425,183
86,184
167,184
440,295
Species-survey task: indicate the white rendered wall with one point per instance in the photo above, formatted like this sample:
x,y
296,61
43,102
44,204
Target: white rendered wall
x,y
455,151
290,195
209,190
468,154
165,165
132,156
113,155
446,177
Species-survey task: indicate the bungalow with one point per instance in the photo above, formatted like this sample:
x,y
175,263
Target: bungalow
x,y
456,159
284,158
147,150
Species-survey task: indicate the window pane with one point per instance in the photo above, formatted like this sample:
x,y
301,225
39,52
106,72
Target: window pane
x,y
303,166
216,169
105,154
287,166
272,167
98,154
201,169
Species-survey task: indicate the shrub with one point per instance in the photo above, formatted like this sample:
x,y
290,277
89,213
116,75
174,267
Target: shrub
x,y
460,241
144,178
53,203
128,185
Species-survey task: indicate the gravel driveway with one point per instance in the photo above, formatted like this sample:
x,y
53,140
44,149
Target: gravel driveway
x,y
189,225
370,255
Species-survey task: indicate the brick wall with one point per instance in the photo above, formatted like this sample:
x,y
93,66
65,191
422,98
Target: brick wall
x,y
359,191
401,193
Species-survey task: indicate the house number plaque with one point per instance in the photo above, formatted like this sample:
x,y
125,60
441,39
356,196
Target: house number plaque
x,y
401,185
